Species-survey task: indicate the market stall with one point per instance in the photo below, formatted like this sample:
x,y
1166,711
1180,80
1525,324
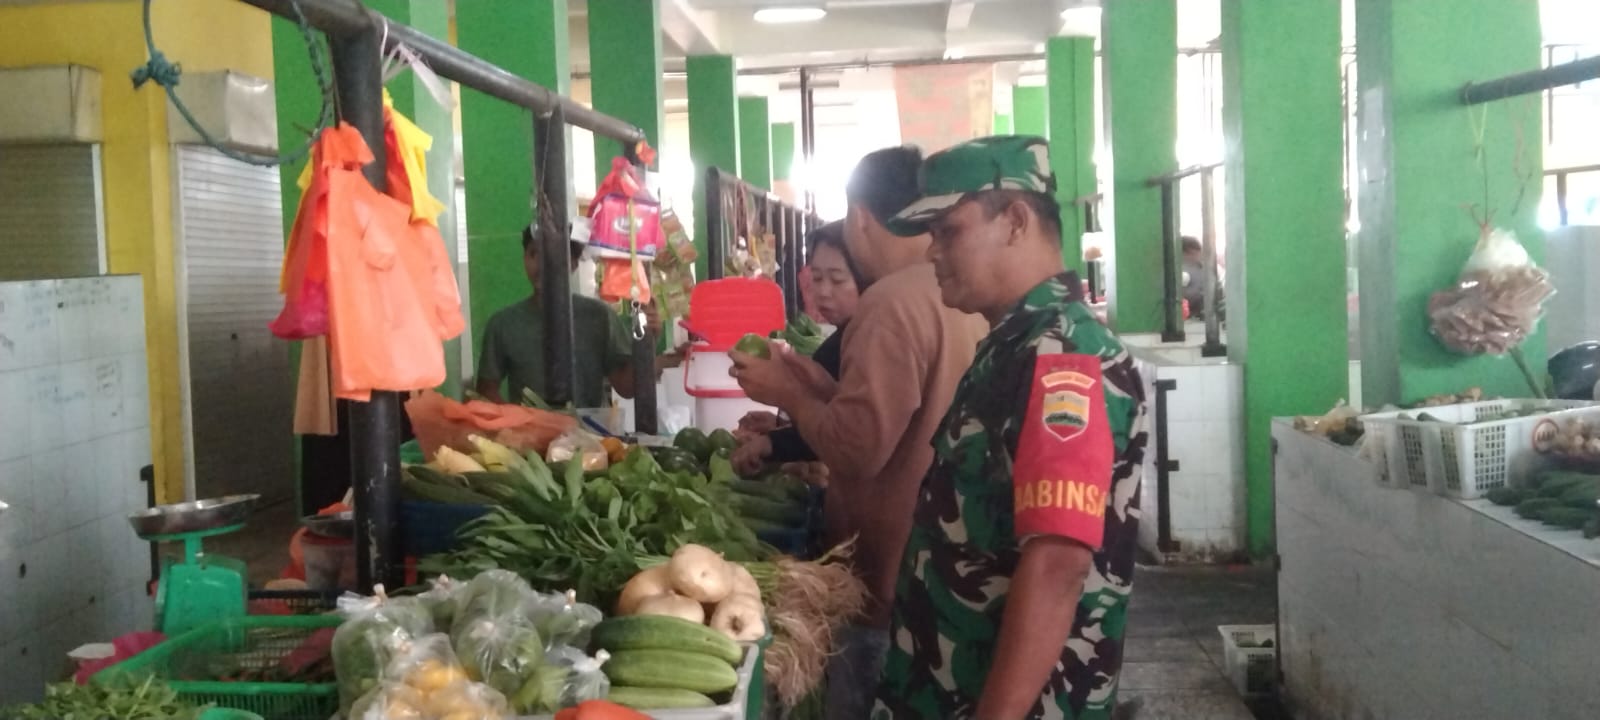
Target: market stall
x,y
754,233
523,561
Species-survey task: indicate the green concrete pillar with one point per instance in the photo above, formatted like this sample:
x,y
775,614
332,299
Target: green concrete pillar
x,y
783,135
1002,124
626,73
1070,67
1285,232
713,134
1030,110
529,39
1419,169
1140,41
755,142
412,99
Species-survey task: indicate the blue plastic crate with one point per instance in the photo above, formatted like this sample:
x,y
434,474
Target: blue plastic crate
x,y
427,528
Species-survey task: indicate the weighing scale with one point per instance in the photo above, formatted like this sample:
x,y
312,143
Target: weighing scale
x,y
199,588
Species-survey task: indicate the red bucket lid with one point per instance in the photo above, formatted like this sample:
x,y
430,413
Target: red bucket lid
x,y
722,311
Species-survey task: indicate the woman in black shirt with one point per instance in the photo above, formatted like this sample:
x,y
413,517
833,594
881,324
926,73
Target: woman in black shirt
x,y
836,284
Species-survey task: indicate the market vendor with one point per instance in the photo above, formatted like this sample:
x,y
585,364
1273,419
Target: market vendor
x,y
513,343
903,354
1033,496
836,284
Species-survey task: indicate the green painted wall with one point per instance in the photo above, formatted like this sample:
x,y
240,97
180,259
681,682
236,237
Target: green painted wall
x,y
1030,110
783,147
529,39
1141,67
628,83
1002,124
1070,69
1285,215
755,142
1415,234
713,133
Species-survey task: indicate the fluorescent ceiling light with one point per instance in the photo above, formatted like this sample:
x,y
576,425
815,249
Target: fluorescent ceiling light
x,y
790,14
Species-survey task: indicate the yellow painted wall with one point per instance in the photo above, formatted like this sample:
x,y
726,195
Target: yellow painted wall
x,y
136,158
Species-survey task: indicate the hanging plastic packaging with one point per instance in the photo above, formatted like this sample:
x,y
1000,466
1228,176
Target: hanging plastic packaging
x,y
627,218
1496,301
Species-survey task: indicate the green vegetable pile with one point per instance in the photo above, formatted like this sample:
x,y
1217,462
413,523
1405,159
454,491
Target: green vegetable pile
x,y
587,532
803,334
774,502
147,700
1559,498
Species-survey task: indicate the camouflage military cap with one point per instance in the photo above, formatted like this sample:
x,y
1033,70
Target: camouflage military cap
x,y
950,176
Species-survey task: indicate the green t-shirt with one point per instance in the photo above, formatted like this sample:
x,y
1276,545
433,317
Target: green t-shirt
x,y
513,349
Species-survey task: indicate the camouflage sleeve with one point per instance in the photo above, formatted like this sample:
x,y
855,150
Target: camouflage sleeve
x,y
1062,469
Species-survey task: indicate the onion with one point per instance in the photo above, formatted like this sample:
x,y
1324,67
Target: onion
x,y
743,583
699,573
673,605
739,617
649,582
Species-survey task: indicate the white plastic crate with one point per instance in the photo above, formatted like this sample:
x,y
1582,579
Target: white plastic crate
x,y
1251,667
1476,448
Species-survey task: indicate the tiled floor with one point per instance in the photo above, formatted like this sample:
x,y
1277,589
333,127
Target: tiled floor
x,y
1172,667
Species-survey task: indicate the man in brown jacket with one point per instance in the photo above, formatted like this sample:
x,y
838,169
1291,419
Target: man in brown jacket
x,y
904,353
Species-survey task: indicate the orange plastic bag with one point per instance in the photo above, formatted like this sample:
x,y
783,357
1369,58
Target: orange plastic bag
x,y
439,421
304,278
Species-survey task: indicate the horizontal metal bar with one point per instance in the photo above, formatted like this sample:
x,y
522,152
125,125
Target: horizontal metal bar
x,y
1180,174
1533,81
1573,170
1087,199
343,17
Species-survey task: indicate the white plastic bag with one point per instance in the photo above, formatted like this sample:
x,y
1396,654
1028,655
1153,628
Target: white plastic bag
x,y
1496,301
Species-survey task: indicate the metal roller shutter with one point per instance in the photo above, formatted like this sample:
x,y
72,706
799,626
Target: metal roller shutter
x,y
50,212
241,390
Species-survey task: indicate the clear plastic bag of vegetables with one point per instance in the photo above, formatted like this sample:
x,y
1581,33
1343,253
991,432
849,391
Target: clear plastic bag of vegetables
x,y
562,620
1495,302
503,652
374,632
440,599
567,677
424,681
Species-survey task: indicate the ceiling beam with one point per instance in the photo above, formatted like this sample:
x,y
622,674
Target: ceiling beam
x,y
958,15
694,32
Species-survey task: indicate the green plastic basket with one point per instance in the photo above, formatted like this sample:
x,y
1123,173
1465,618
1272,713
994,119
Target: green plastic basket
x,y
193,662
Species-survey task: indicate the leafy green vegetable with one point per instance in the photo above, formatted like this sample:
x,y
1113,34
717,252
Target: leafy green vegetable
x,y
145,700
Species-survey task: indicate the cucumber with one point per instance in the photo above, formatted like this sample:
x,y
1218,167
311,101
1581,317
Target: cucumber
x,y
759,526
780,489
657,698
418,488
660,632
677,669
760,508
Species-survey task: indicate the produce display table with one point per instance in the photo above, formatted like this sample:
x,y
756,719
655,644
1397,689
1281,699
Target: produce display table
x,y
1405,604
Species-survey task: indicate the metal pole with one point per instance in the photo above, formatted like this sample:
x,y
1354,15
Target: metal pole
x,y
716,244
345,17
1561,196
793,242
1534,81
553,234
374,425
808,135
1171,307
645,409
1213,346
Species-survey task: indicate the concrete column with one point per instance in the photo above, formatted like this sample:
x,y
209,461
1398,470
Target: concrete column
x,y
1030,110
1285,234
783,150
625,67
412,99
529,39
755,142
1140,40
713,133
1419,169
1070,68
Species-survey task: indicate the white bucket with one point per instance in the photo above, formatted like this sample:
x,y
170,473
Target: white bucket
x,y
719,403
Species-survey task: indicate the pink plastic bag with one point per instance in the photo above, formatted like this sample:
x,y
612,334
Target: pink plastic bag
x,y
125,647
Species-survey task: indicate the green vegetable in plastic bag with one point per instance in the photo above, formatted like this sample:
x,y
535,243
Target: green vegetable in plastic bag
x,y
374,631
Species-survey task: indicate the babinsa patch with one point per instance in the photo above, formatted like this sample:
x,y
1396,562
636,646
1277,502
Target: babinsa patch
x,y
1066,408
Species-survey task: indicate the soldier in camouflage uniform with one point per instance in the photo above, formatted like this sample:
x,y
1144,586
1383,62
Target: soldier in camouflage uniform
x,y
1033,494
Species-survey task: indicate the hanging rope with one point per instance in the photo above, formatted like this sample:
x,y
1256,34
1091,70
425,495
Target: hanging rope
x,y
167,74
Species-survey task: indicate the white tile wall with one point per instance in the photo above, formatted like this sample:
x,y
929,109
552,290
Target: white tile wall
x,y
1396,604
74,431
1205,434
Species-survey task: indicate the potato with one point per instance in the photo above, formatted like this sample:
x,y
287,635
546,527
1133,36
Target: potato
x,y
699,573
649,582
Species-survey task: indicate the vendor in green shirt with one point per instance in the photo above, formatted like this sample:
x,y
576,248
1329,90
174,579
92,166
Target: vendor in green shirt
x,y
513,343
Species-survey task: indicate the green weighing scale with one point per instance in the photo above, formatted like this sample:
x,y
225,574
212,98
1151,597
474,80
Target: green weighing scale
x,y
198,588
